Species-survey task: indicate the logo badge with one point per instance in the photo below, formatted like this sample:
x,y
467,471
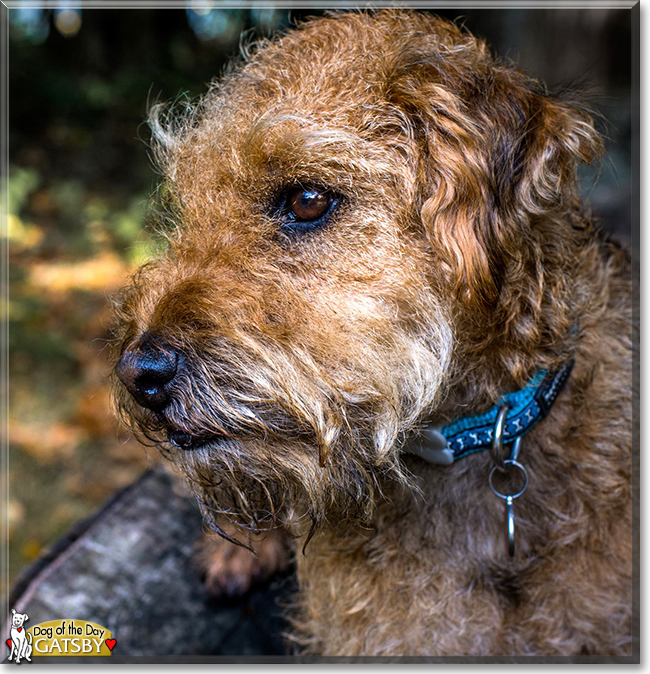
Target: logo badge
x,y
58,638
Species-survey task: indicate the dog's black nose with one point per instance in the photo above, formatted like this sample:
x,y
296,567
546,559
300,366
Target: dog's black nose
x,y
146,370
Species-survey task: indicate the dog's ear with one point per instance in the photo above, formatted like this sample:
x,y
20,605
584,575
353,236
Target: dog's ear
x,y
497,153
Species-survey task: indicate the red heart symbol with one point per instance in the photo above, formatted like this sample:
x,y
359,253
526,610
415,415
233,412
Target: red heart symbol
x,y
20,629
9,643
111,643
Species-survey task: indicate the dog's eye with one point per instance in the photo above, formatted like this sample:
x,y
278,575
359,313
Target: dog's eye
x,y
308,204
306,208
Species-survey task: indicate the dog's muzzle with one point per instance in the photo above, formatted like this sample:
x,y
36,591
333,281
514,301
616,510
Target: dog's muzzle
x,y
150,370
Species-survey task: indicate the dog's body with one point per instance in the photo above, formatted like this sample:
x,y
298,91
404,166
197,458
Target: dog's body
x,y
21,642
433,576
379,230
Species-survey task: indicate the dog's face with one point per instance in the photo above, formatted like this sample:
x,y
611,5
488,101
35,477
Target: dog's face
x,y
17,619
347,208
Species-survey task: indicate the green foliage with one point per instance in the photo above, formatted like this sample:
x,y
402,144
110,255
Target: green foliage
x,y
21,184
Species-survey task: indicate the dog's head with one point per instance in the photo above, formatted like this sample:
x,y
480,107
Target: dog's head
x,y
17,619
368,222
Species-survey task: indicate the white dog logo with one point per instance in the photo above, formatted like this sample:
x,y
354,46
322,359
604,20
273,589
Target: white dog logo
x,y
20,642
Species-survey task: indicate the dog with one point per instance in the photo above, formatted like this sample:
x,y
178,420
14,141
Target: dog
x,y
21,642
386,325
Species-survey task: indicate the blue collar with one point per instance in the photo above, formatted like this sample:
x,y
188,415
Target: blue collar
x,y
445,444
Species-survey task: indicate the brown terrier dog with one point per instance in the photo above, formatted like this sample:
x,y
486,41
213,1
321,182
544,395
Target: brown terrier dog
x,y
380,264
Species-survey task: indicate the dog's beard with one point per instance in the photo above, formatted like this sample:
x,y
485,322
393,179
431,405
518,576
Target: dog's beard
x,y
284,439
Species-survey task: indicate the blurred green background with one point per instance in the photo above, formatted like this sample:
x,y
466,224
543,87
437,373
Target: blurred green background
x,y
80,83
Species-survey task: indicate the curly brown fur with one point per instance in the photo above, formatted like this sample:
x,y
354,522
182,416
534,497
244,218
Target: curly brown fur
x,y
459,262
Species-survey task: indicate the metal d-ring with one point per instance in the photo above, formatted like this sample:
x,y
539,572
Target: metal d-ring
x,y
497,441
509,498
516,448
